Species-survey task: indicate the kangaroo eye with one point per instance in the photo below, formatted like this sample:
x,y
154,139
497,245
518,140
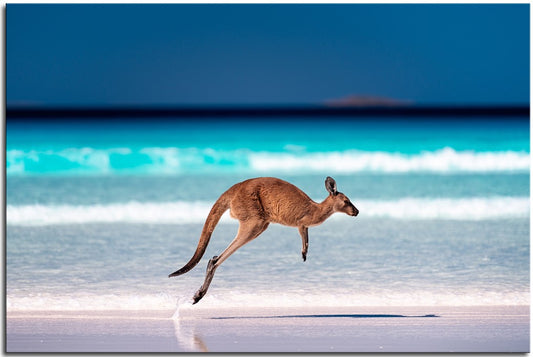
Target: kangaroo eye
x,y
346,202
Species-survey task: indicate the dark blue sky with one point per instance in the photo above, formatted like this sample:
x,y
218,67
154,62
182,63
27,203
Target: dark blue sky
x,y
266,54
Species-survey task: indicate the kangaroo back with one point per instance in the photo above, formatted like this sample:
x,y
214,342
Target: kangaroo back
x,y
218,209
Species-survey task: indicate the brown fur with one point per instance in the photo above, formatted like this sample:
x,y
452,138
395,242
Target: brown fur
x,y
258,202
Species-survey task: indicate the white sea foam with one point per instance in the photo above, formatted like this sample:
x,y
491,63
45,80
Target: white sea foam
x,y
164,301
196,212
171,160
88,302
448,208
378,298
132,212
441,161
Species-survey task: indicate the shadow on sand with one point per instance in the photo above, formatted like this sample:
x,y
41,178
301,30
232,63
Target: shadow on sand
x,y
190,340
353,316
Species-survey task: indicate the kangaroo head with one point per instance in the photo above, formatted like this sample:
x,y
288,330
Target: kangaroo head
x,y
341,203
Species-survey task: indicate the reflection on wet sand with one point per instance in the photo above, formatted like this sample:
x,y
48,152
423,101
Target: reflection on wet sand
x,y
187,336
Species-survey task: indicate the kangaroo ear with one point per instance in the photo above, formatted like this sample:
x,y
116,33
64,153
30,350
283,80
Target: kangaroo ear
x,y
331,186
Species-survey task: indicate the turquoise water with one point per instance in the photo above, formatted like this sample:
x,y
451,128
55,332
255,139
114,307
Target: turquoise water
x,y
99,213
259,146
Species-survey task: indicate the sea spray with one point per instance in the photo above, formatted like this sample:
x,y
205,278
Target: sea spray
x,y
183,303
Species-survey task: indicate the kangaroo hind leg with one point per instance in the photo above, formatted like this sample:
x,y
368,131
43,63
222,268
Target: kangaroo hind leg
x,y
247,232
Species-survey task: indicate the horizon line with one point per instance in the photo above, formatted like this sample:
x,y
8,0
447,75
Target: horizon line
x,y
183,111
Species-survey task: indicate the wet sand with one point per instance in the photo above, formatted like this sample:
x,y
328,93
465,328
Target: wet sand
x,y
309,329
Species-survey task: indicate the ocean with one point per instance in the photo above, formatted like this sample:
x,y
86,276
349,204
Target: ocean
x,y
100,212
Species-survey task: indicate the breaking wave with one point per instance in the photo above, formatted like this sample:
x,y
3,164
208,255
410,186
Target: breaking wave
x,y
182,212
440,161
171,160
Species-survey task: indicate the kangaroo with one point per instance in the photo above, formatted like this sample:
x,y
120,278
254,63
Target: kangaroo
x,y
258,202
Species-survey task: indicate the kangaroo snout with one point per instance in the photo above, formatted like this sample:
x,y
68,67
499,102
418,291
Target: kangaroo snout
x,y
355,212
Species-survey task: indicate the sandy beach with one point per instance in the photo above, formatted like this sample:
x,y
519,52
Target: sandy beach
x,y
193,328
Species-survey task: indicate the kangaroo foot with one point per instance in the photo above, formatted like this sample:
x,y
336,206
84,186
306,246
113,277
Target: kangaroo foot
x,y
304,256
198,296
208,277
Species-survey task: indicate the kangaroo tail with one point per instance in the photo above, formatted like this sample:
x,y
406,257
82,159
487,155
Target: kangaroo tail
x,y
218,209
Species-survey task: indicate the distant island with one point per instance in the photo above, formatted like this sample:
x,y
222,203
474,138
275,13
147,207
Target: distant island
x,y
367,101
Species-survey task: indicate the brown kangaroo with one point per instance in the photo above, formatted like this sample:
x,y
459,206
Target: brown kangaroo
x,y
258,202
